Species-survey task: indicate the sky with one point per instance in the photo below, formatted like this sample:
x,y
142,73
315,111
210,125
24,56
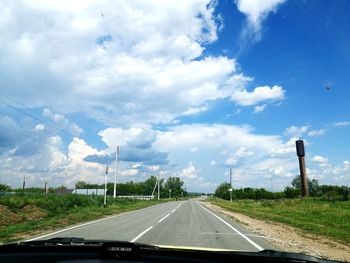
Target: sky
x,y
188,89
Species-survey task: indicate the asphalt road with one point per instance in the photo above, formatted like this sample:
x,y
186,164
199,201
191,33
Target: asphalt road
x,y
181,223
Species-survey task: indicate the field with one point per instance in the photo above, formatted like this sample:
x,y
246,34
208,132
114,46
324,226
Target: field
x,y
327,218
23,215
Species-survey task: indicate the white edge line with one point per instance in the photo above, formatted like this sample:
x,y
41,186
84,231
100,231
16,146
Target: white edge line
x,y
173,211
163,218
85,224
141,234
234,229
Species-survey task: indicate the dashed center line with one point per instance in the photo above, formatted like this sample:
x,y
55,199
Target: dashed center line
x,y
141,234
160,220
163,218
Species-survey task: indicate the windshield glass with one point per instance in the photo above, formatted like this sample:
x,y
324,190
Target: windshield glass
x,y
199,124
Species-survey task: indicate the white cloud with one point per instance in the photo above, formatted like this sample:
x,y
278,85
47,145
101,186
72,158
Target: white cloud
x,y
319,159
259,108
151,69
296,131
259,94
195,110
62,122
189,172
212,163
154,168
256,12
193,149
113,137
238,155
39,127
342,123
315,133
129,172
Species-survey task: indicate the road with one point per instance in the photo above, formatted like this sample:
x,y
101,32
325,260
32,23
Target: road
x,y
181,223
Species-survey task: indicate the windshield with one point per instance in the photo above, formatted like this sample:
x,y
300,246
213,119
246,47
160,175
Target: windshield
x,y
199,124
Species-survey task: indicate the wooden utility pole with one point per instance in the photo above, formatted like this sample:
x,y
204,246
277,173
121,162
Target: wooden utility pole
x,y
24,183
303,178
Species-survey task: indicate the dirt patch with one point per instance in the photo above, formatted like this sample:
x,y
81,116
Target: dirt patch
x,y
32,212
8,217
289,238
28,212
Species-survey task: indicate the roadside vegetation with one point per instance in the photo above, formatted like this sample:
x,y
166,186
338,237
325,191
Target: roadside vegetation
x,y
24,213
325,192
313,215
326,212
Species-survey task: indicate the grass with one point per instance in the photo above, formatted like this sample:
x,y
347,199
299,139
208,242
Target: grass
x,y
62,211
326,218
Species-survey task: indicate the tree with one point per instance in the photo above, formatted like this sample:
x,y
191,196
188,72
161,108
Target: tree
x,y
148,185
313,185
291,192
80,185
4,188
175,185
222,191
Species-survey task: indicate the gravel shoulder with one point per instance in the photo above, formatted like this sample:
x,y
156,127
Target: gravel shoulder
x,y
289,238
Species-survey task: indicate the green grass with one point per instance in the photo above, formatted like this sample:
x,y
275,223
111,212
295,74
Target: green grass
x,y
62,211
327,218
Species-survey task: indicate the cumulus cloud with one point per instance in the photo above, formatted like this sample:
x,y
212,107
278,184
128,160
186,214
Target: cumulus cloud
x,y
259,108
256,12
319,159
189,175
296,131
234,145
236,156
315,133
342,123
259,94
135,146
148,69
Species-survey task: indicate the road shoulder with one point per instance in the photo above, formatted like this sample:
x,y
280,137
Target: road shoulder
x,y
288,238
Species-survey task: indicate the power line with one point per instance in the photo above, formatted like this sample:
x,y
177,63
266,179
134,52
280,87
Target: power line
x,y
90,141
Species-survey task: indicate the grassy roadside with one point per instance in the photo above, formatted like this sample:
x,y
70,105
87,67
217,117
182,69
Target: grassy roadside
x,y
56,212
327,218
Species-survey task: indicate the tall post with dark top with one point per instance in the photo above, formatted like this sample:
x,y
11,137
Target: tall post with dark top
x,y
301,155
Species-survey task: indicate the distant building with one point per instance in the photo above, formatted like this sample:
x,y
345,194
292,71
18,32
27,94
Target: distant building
x,y
89,191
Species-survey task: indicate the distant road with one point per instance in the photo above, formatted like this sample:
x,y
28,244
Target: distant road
x,y
181,223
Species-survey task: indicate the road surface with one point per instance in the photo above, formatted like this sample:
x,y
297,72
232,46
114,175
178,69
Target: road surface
x,y
181,223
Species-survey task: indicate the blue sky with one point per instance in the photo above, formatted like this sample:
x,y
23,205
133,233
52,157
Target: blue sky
x,y
185,89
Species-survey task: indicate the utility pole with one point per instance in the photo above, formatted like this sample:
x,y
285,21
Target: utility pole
x,y
158,187
105,197
45,188
230,184
301,156
24,183
116,171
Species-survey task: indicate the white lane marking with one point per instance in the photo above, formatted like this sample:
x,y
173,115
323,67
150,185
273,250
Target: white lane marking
x,y
234,229
169,213
251,235
88,223
141,234
163,218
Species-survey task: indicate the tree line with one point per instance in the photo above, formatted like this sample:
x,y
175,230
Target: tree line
x,y
327,192
175,184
